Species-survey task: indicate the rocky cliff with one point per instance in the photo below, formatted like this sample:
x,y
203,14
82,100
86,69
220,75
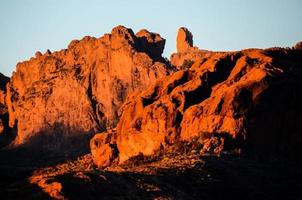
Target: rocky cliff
x,y
56,99
245,101
120,85
183,131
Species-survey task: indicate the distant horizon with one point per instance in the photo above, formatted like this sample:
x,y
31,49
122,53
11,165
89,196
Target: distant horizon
x,y
31,25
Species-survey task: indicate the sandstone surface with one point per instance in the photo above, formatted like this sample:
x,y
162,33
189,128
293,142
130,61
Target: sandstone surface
x,y
184,39
186,53
246,101
61,97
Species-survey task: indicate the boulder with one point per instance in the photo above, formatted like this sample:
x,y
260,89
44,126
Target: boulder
x,y
103,149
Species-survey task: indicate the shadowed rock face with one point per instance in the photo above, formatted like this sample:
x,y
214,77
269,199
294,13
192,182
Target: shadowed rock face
x,y
152,43
4,128
3,81
78,90
247,100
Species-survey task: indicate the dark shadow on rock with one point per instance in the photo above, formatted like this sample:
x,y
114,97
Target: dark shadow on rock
x,y
274,124
153,49
46,148
51,146
225,177
130,185
250,179
9,134
14,176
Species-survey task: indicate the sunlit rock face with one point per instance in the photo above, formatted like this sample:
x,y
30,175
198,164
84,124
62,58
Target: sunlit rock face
x,y
58,97
186,53
184,40
247,100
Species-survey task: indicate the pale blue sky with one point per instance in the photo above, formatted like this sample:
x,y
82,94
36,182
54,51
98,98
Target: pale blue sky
x,y
27,26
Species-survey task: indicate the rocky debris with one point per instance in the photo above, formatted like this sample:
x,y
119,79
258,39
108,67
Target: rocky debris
x,y
186,52
76,92
174,176
249,100
213,145
45,178
53,188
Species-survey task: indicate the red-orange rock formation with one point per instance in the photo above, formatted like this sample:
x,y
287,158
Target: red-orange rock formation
x,y
248,100
186,54
184,40
103,148
78,90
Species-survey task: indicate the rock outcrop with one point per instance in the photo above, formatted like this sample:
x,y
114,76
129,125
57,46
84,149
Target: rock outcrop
x,y
184,40
245,101
298,46
5,135
59,97
3,81
186,53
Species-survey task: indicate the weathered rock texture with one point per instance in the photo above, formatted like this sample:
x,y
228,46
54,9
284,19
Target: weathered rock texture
x,y
77,91
249,100
103,148
186,54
